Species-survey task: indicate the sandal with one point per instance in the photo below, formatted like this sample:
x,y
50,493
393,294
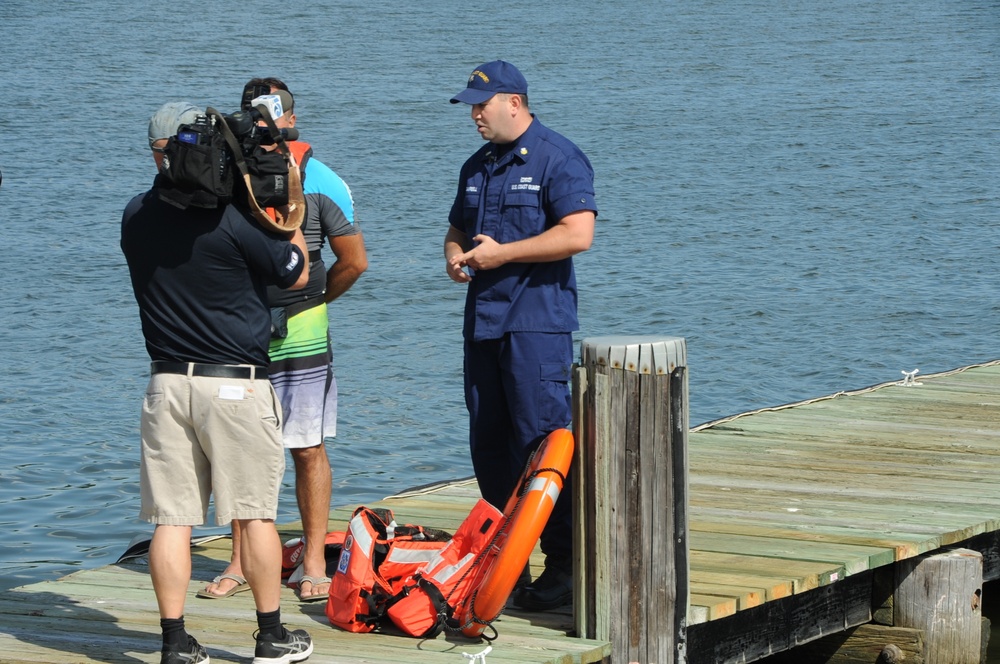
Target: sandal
x,y
315,581
241,586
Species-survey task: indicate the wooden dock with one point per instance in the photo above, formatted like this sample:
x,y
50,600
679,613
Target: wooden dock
x,y
109,614
796,515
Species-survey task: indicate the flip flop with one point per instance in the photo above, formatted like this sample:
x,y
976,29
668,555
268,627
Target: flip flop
x,y
315,581
241,585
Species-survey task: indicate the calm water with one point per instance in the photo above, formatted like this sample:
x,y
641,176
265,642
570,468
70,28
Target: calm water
x,y
805,191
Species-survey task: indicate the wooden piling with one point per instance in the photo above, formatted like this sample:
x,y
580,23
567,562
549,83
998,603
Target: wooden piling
x,y
941,594
631,419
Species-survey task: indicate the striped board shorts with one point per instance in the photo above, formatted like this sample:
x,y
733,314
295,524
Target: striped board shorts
x,y
301,372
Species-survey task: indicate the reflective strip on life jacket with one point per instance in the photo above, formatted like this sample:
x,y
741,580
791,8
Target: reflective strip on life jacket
x,y
447,572
406,555
363,534
405,558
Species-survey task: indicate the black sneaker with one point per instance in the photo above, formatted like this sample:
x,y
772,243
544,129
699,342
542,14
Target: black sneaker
x,y
295,647
552,589
194,653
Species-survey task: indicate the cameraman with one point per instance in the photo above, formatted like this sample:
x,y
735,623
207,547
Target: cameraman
x,y
210,420
302,356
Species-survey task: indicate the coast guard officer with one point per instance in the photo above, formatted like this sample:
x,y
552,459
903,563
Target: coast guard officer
x,y
524,206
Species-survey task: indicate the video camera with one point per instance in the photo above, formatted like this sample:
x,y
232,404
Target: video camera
x,y
204,162
245,126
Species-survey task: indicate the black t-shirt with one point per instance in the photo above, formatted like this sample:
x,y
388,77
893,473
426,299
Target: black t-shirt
x,y
200,277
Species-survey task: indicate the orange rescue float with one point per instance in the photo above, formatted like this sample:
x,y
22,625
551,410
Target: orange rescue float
x,y
525,515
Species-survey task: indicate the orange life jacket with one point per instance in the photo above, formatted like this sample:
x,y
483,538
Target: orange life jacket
x,y
377,554
302,151
426,601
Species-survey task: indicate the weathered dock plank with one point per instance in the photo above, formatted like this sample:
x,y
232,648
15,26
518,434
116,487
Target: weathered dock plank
x,y
852,557
904,544
803,574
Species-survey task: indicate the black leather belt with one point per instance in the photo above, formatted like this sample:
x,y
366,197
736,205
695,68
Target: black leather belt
x,y
210,370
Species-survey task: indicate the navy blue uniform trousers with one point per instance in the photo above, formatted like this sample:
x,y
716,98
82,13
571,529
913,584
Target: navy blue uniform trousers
x,y
517,390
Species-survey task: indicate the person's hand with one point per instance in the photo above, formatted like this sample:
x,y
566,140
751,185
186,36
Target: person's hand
x,y
456,269
486,255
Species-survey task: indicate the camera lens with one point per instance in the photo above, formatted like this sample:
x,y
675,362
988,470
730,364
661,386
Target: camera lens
x,y
240,123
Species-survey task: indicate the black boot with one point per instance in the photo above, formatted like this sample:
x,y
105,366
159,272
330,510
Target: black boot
x,y
552,589
524,579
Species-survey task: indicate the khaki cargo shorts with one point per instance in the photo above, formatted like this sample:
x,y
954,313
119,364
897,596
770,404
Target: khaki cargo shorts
x,y
206,436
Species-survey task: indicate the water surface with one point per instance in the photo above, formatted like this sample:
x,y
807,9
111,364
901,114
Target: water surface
x,y
806,192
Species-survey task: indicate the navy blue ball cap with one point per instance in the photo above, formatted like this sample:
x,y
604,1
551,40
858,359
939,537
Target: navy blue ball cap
x,y
489,79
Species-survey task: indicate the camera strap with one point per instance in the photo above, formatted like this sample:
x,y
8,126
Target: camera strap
x,y
288,217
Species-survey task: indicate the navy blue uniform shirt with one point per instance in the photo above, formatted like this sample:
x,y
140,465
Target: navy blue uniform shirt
x,y
514,192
